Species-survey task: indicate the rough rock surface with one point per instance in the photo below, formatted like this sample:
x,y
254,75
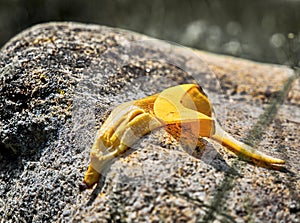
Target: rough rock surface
x,y
59,81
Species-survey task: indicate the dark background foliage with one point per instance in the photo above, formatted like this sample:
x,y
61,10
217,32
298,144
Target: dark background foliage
x,y
267,30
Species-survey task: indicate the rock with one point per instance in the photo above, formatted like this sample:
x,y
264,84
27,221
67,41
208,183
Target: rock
x,y
59,81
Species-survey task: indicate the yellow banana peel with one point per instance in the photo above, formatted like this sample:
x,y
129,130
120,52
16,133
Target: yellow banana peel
x,y
183,105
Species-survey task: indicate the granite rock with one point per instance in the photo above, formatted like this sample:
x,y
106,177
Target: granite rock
x,y
59,81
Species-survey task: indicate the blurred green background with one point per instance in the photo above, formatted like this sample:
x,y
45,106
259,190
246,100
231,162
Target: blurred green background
x,y
262,30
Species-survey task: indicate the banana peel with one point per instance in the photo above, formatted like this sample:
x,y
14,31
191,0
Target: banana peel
x,y
183,105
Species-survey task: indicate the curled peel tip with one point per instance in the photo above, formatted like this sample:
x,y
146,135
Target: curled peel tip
x,y
243,150
277,161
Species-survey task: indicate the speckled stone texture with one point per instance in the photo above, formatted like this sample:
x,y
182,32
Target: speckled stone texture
x,y
59,81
